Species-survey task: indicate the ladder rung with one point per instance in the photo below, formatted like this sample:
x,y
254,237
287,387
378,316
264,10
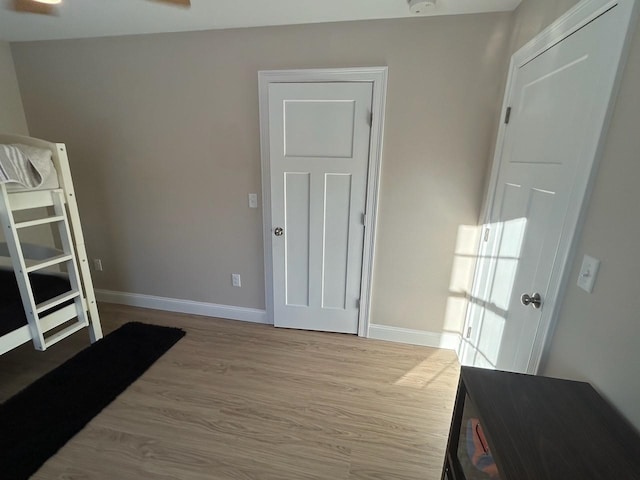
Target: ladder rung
x,y
49,321
40,221
55,301
49,262
62,334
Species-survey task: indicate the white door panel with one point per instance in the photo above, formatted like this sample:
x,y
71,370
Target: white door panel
x,y
319,136
337,194
559,103
297,187
320,129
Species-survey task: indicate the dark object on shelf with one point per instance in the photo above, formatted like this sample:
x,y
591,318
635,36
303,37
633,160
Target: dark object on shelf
x,y
536,428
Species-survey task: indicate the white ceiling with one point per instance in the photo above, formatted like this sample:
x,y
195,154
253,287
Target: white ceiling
x,y
96,18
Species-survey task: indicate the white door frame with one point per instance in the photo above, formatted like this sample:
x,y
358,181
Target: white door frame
x,y
378,77
576,18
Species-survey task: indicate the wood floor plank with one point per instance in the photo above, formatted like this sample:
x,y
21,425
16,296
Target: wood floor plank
x,y
243,401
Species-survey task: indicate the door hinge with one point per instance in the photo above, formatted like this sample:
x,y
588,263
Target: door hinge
x,y
371,119
487,232
507,115
468,332
364,219
358,303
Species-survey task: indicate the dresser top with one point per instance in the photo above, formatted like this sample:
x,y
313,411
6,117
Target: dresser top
x,y
545,428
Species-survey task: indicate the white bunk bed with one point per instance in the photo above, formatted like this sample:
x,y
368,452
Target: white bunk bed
x,y
55,318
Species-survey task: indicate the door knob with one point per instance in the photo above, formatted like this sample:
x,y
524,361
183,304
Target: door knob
x,y
535,300
278,231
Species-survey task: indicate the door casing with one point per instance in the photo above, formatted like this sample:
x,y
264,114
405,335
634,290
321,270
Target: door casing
x,y
572,21
377,76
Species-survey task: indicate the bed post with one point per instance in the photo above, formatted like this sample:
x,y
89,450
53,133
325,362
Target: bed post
x,y
64,175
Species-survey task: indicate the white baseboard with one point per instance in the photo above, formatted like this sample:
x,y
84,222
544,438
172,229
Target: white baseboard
x,y
183,306
446,340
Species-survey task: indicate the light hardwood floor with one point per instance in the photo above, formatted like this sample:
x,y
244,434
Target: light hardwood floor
x,y
242,401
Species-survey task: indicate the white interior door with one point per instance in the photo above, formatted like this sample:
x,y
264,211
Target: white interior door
x,y
559,102
319,135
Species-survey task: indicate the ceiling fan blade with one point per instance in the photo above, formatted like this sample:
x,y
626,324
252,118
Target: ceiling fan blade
x,y
29,6
179,3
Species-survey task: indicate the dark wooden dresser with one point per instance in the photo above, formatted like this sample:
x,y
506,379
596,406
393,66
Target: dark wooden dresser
x,y
537,428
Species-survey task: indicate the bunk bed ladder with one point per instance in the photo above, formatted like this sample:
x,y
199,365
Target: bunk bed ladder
x,y
95,328
39,317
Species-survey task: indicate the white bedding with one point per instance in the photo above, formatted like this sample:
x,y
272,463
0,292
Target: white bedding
x,y
25,167
49,183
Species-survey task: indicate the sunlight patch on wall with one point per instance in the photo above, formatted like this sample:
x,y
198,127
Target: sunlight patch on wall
x,y
464,263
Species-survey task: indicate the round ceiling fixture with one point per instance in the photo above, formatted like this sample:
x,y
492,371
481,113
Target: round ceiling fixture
x,y
420,6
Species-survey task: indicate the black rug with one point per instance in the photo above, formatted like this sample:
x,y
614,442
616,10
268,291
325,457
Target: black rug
x,y
38,421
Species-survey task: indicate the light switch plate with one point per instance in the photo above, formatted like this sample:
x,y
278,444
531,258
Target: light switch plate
x,y
588,273
235,280
253,200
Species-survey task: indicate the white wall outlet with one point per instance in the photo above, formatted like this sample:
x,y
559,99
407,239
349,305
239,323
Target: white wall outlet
x,y
253,200
588,272
97,264
235,280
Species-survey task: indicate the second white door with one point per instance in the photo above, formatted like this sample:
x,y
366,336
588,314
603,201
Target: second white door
x,y
319,136
559,102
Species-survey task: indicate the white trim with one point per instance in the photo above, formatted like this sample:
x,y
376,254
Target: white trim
x,y
446,340
569,23
378,77
14,339
183,306
577,17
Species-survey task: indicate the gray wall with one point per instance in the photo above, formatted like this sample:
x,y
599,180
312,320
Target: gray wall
x,y
163,137
596,335
12,119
